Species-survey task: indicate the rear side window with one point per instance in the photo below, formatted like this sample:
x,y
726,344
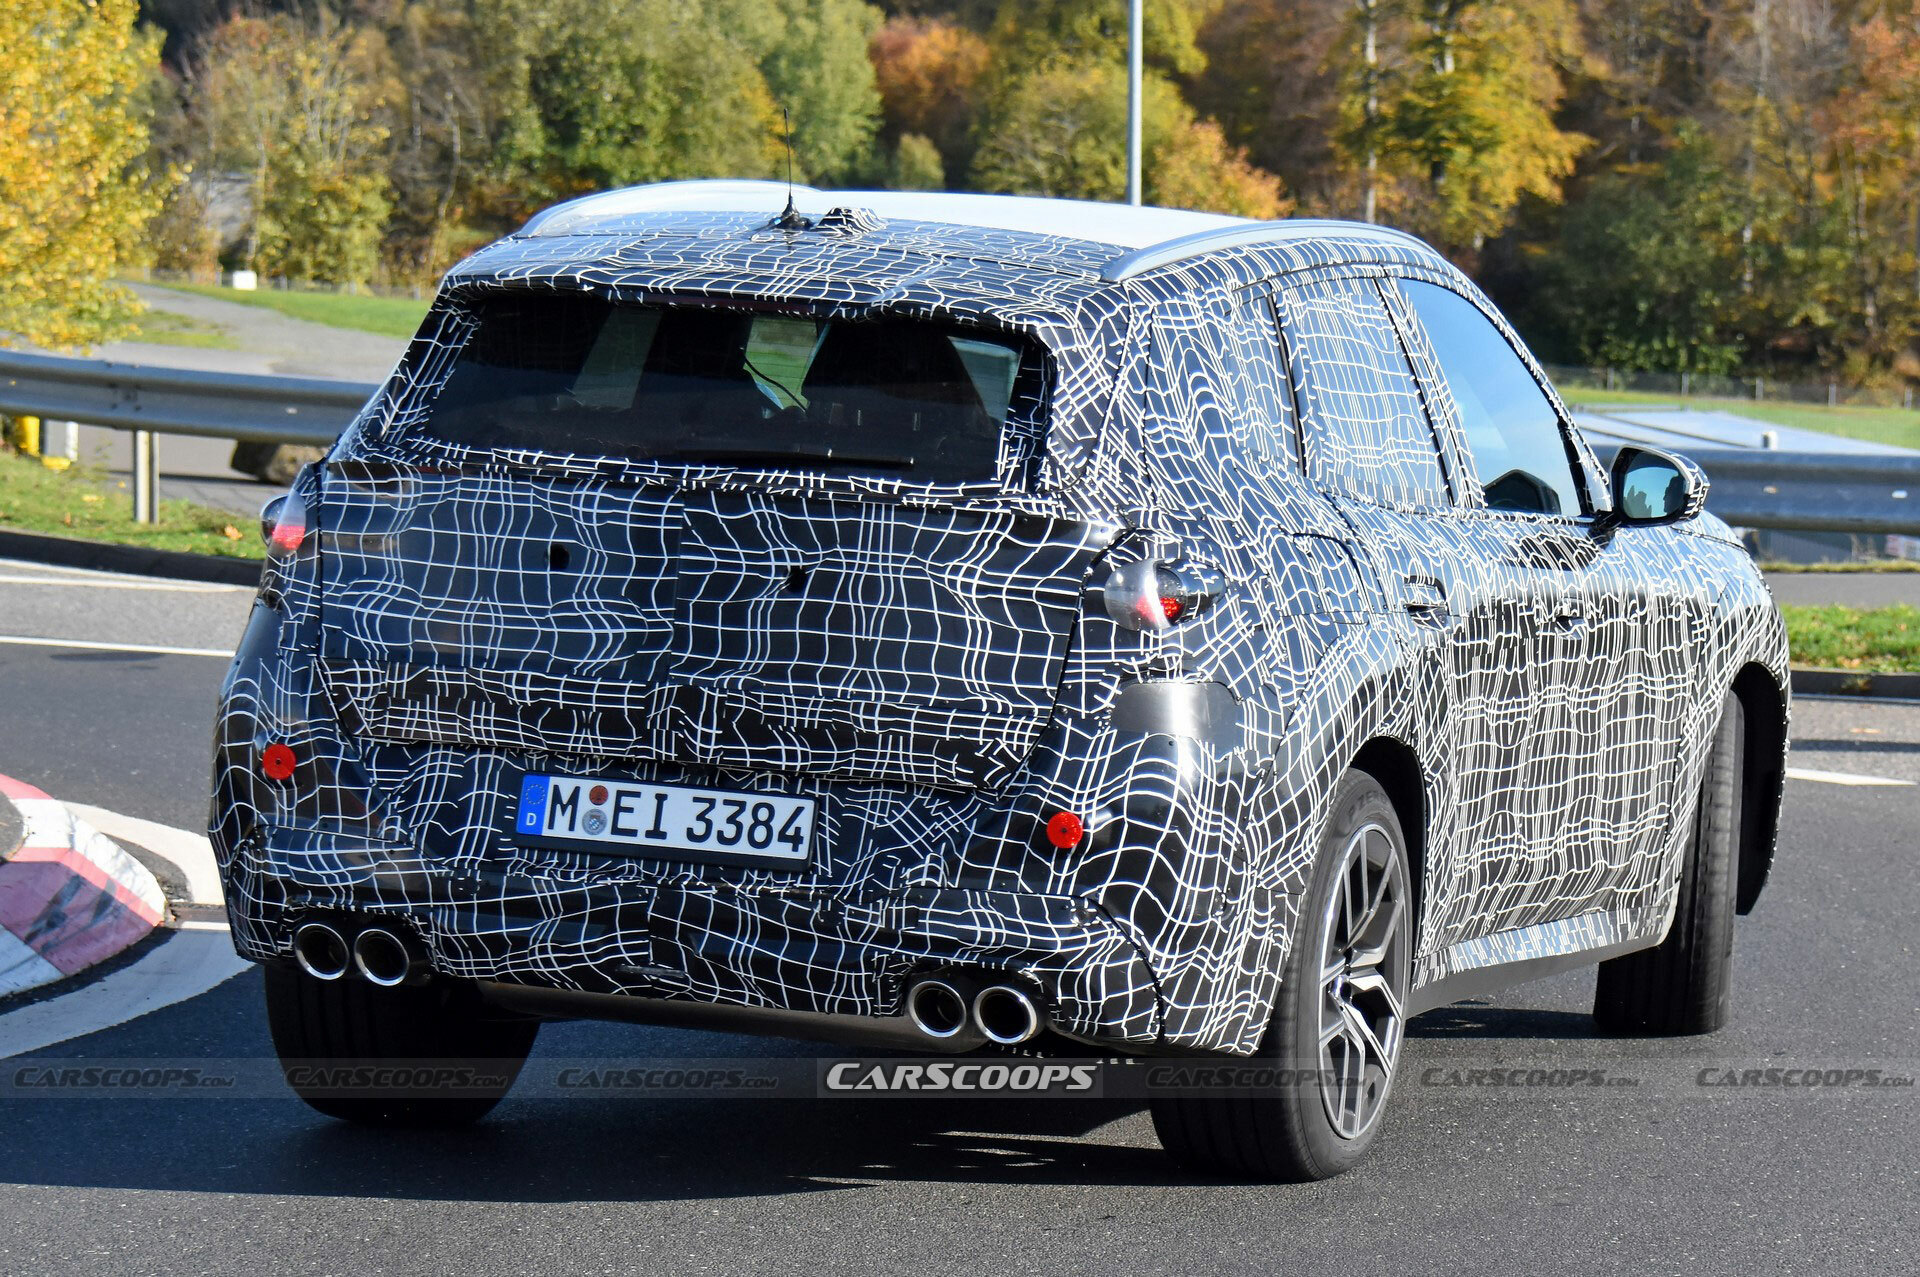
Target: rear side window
x,y
1519,452
1363,423
571,373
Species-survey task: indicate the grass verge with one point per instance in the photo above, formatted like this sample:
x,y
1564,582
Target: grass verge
x,y
83,503
159,328
387,316
1877,640
1847,566
1897,426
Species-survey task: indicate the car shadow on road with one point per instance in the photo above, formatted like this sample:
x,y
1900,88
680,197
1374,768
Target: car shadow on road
x,y
598,1146
586,1150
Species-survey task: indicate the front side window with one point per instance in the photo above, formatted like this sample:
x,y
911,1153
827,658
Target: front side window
x,y
577,374
1365,428
1519,452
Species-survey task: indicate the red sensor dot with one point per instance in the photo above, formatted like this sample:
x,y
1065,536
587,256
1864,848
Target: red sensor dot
x,y
277,761
1065,830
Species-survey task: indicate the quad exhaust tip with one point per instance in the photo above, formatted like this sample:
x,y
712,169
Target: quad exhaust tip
x,y
1005,1015
941,1009
321,951
937,1009
383,958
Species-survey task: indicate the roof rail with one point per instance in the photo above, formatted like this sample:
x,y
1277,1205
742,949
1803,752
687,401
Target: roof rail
x,y
1154,256
724,195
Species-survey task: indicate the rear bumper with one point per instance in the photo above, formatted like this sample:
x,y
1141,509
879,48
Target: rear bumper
x,y
825,952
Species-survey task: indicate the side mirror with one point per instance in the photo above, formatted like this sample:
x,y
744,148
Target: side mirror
x,y
1652,487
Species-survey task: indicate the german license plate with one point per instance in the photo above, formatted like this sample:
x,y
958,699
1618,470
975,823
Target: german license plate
x,y
637,819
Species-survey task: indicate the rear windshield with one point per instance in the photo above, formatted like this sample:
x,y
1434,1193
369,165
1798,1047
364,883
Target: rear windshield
x,y
580,374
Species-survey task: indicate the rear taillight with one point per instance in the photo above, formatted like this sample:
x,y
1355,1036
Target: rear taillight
x,y
1153,596
283,525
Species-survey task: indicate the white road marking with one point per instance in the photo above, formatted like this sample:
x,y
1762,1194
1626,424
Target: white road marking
x,y
193,959
185,965
115,583
151,649
191,853
1840,778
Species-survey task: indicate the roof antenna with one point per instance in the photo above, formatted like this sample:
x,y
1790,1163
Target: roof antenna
x,y
790,218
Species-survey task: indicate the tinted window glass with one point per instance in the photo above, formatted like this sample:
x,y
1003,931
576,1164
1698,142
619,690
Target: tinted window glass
x,y
1365,428
578,374
1512,430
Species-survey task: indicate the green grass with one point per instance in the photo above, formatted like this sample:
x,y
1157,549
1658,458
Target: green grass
x,y
83,503
1848,565
159,328
1877,640
1897,426
387,316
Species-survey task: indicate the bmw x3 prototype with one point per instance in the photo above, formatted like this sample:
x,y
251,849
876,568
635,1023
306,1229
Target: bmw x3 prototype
x,y
959,622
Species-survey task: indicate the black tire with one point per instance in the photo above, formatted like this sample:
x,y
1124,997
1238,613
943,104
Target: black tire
x,y
1684,985
1287,1135
326,1030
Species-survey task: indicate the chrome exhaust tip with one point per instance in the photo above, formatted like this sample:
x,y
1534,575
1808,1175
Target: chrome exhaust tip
x,y
383,958
1005,1015
321,951
937,1009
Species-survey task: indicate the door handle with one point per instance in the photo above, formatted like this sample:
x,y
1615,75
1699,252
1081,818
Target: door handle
x,y
1568,614
1425,595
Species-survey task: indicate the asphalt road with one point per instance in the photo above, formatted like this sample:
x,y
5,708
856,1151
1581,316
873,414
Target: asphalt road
x,y
1665,1176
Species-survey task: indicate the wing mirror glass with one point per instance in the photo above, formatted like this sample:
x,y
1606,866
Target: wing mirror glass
x,y
1653,487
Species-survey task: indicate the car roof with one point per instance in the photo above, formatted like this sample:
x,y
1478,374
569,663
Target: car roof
x,y
1143,237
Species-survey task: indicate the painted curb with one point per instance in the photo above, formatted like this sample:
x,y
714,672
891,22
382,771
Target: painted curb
x,y
69,896
1816,682
136,560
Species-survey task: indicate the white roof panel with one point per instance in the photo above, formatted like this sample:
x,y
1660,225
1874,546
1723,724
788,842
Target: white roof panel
x,y
1124,226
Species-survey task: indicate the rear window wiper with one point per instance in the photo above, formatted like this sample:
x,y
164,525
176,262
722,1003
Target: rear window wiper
x,y
723,455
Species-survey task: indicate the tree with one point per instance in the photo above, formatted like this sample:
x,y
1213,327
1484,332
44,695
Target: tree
x,y
916,165
1031,33
76,198
299,105
614,94
1273,84
929,74
1453,101
1059,130
1646,274
819,71
1875,125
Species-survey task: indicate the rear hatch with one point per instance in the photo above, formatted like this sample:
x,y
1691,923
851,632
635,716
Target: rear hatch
x,y
745,539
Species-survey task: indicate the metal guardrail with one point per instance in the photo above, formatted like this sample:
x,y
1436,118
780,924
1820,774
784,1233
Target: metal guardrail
x,y
1813,491
1751,488
150,401
220,405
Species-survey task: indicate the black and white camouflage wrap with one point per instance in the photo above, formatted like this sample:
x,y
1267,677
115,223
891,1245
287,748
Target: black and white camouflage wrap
x,y
936,667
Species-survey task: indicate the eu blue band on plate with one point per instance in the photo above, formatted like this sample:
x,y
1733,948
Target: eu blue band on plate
x,y
533,804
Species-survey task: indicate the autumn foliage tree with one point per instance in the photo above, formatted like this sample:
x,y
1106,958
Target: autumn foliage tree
x,y
76,196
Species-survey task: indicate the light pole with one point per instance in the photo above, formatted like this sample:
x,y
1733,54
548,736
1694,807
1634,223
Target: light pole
x,y
1133,101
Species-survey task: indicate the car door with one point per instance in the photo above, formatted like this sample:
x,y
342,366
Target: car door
x,y
1372,449
1598,722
